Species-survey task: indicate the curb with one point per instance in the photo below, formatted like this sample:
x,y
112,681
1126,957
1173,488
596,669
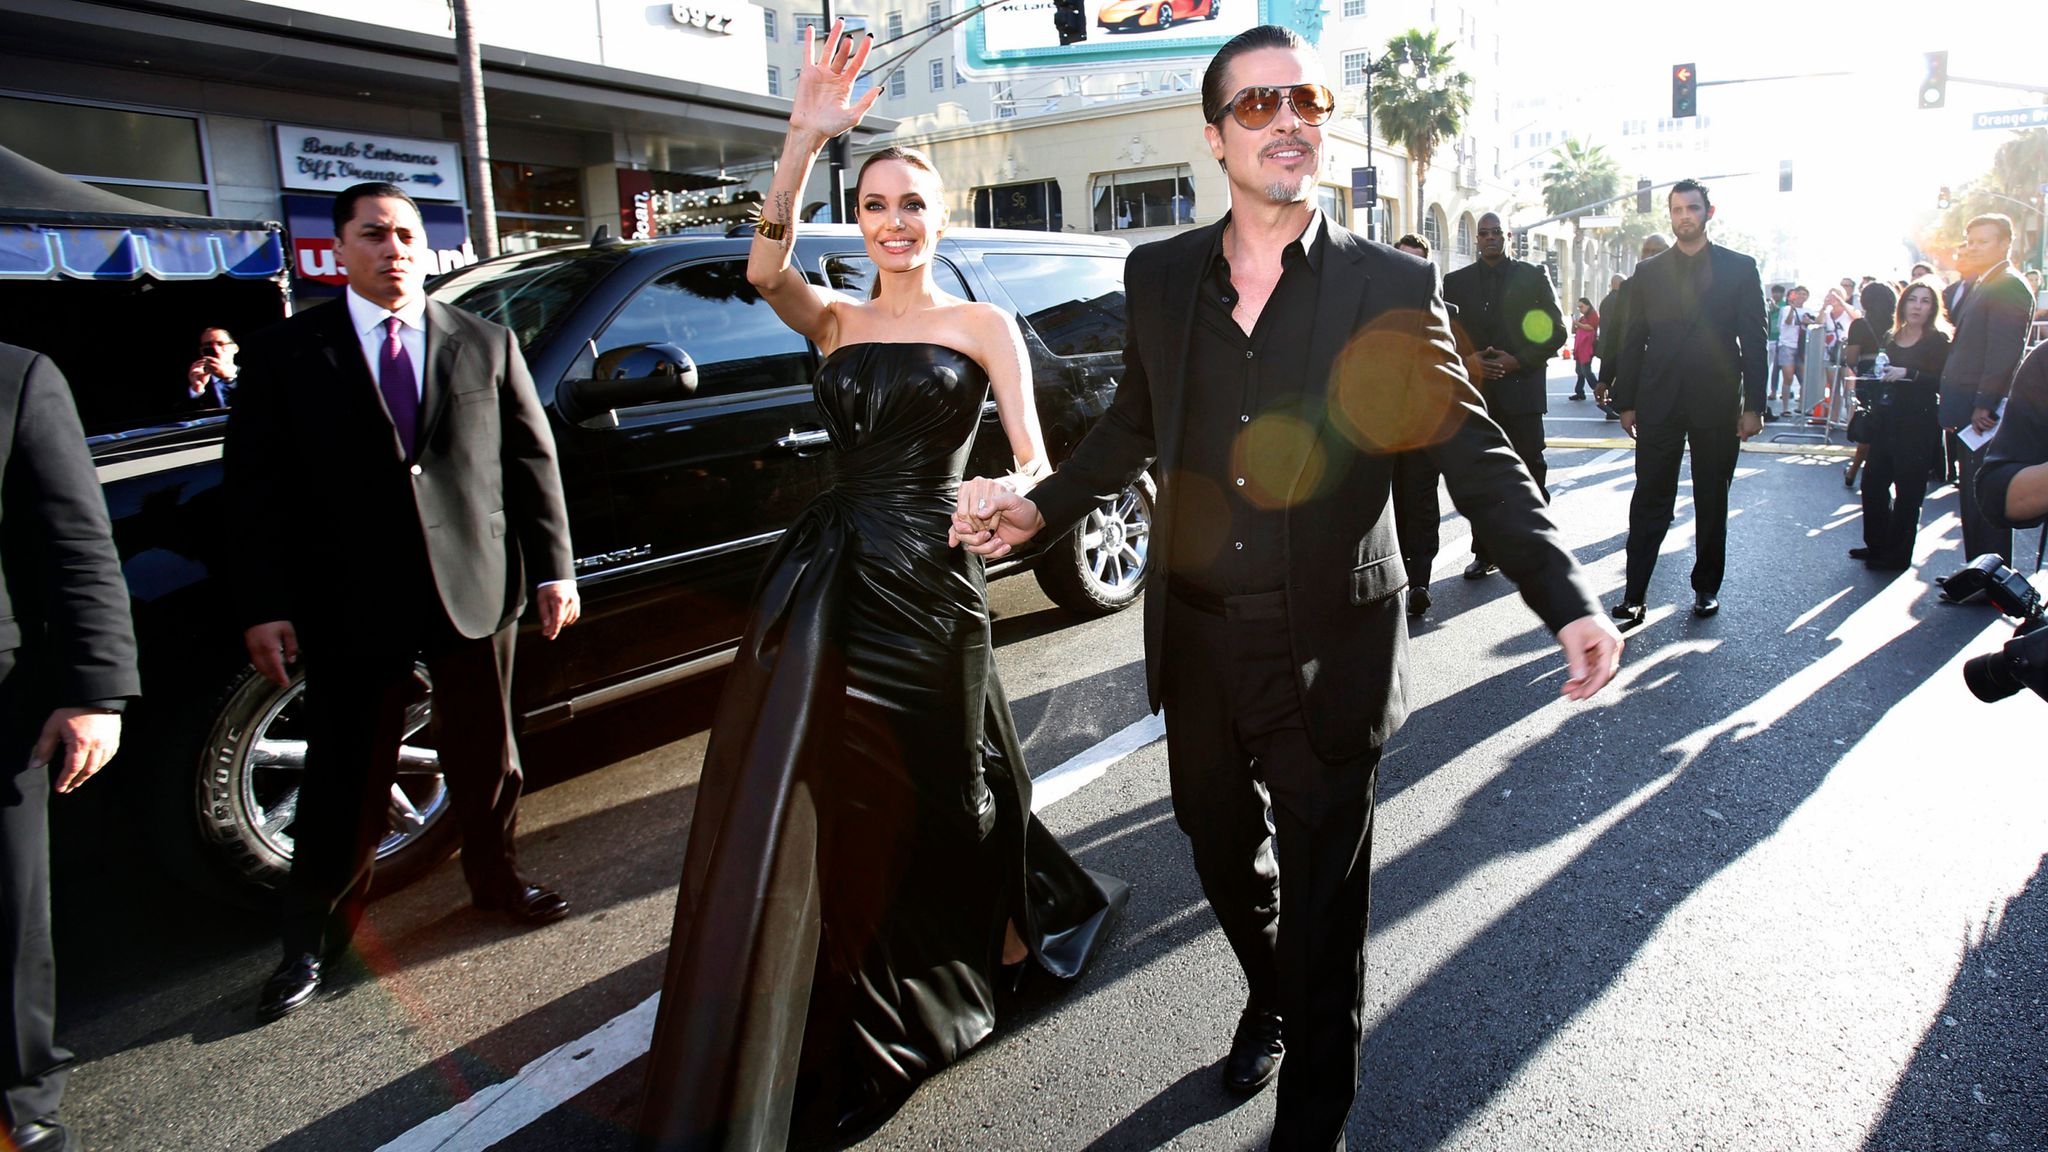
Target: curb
x,y
1837,451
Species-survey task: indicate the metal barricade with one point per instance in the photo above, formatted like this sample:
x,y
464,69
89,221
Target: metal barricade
x,y
1820,387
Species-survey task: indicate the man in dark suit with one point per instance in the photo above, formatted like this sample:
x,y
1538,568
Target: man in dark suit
x,y
67,669
1614,321
397,443
1275,363
1509,315
1990,317
1418,517
1693,362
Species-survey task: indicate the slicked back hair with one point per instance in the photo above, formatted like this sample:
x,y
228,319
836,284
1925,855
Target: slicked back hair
x,y
345,204
1215,94
1691,185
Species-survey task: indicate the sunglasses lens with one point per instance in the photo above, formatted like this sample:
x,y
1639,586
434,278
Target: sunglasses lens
x,y
1313,103
1255,107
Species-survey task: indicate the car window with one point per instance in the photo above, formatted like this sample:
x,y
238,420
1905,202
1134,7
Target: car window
x,y
1074,302
854,274
711,312
529,296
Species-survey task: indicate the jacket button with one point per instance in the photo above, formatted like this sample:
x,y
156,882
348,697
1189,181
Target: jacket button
x,y
415,469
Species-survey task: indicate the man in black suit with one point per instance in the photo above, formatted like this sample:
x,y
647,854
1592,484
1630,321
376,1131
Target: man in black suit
x,y
67,669
1275,363
1693,362
1508,311
1418,518
1991,315
1614,322
398,445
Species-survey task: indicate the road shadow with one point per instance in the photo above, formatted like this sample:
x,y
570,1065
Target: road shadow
x,y
1975,1080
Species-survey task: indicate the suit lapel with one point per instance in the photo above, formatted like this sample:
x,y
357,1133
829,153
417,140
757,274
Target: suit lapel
x,y
1340,296
444,351
1179,307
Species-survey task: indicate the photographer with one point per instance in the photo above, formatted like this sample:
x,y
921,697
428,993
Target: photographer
x,y
2013,484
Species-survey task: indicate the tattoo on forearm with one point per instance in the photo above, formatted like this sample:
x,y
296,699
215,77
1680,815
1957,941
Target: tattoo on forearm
x,y
785,208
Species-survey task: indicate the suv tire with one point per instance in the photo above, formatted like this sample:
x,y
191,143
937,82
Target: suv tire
x,y
1100,566
241,762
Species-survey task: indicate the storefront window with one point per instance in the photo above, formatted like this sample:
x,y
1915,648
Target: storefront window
x,y
1144,198
538,205
1331,201
1031,206
150,156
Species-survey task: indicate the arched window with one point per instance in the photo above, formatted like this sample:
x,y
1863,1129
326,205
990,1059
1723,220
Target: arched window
x,y
1465,234
1433,228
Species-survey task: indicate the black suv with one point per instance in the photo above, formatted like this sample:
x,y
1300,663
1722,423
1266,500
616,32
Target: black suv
x,y
682,410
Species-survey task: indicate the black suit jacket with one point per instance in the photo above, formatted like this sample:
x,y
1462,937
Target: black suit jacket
x,y
63,602
1527,326
1701,353
1991,334
1383,377
314,463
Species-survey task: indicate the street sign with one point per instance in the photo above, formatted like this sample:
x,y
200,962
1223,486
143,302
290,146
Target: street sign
x,y
1598,222
2011,118
319,160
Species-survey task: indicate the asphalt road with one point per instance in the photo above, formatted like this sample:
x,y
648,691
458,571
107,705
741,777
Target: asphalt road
x,y
1781,888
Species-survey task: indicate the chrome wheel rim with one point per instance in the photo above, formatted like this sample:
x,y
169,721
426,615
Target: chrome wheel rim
x,y
1115,539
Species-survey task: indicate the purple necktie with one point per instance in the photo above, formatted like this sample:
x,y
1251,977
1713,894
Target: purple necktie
x,y
401,394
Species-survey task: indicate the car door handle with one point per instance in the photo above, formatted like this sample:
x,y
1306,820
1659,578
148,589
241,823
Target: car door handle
x,y
804,442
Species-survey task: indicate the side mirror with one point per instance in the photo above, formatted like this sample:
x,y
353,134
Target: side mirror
x,y
628,377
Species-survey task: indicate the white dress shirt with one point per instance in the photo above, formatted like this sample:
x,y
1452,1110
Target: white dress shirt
x,y
368,320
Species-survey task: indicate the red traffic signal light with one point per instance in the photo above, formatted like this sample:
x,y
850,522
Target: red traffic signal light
x,y
1934,89
1685,83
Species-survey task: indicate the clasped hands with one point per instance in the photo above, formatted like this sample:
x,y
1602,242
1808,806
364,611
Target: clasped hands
x,y
990,518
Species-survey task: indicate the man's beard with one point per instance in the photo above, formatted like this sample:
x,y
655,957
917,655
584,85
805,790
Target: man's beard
x,y
1688,231
1288,192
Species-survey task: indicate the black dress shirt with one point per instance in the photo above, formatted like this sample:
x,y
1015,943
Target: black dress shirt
x,y
1246,434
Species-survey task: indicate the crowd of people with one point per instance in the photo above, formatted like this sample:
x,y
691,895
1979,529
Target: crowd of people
x,y
865,886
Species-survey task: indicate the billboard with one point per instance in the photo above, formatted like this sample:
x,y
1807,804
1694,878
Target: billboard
x,y
1122,34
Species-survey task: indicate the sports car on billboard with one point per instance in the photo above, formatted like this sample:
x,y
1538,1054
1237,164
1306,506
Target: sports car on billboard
x,y
1152,15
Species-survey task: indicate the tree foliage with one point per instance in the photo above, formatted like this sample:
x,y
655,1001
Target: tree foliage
x,y
1421,98
1580,174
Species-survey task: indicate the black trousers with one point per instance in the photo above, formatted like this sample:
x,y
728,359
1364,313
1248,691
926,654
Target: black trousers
x,y
1418,516
1660,451
359,686
1263,814
1525,434
32,1072
1979,534
1895,475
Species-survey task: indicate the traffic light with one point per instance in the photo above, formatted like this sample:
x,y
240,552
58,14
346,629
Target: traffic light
x,y
1521,244
1643,202
1069,20
1685,85
1784,175
1942,199
1934,89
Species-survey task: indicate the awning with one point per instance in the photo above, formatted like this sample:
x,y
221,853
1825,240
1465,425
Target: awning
x,y
55,228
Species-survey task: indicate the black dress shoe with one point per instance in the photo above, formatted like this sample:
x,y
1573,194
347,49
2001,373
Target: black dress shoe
x,y
290,987
1480,569
1629,615
1859,553
532,905
1418,600
1705,606
1255,1052
1888,562
41,1136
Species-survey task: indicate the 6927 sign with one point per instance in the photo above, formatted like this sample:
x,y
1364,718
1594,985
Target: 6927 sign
x,y
704,16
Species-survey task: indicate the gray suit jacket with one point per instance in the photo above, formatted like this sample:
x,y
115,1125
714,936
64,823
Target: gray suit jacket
x,y
1991,333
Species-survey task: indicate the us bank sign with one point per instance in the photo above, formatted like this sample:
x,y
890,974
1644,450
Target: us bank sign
x,y
322,160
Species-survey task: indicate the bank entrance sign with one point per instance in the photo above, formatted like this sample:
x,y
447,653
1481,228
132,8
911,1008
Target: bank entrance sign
x,y
326,160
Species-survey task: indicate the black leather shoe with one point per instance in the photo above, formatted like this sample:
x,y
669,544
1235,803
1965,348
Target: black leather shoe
x,y
1418,601
1613,415
1705,606
1255,1052
1888,562
1629,615
1859,553
531,906
1479,569
290,987
40,1136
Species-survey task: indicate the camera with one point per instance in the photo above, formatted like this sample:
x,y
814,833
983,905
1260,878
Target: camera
x,y
2023,660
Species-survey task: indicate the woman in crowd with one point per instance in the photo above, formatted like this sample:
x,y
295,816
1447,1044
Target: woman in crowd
x,y
1585,331
864,875
1867,334
1903,431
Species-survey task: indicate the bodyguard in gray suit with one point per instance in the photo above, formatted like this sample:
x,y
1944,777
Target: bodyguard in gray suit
x,y
1991,333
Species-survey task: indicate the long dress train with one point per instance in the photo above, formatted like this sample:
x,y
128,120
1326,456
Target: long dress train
x,y
863,827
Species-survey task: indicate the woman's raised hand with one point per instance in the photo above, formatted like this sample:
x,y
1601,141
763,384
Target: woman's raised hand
x,y
824,101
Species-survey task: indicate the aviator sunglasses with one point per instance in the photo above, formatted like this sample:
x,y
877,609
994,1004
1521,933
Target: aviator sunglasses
x,y
1253,108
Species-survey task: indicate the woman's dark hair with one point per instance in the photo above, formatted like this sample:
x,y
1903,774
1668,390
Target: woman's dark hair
x,y
911,156
1881,306
1215,98
1587,303
345,204
1937,321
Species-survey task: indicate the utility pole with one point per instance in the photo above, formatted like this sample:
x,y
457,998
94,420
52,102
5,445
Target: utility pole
x,y
476,144
835,149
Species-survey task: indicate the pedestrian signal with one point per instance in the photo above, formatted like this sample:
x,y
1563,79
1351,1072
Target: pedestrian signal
x,y
1069,21
1685,85
1934,89
1521,245
1784,175
1643,202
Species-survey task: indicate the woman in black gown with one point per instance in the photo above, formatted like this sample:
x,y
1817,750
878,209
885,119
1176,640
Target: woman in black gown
x,y
1905,430
863,869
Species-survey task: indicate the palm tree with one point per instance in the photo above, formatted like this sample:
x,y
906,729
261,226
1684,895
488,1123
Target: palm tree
x,y
1421,100
1578,175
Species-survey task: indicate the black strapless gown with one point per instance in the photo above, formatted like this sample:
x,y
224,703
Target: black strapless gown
x,y
863,827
